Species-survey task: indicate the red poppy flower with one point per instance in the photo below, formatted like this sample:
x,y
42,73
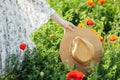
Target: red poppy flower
x,y
22,46
90,22
90,3
113,38
75,75
101,1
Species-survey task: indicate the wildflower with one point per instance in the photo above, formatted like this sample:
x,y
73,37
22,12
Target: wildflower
x,y
75,75
22,46
90,22
90,3
101,1
113,38
101,38
80,25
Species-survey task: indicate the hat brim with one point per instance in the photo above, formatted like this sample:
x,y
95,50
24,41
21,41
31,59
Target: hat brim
x,y
66,41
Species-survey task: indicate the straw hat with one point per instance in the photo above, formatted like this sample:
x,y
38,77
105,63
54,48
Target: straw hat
x,y
80,48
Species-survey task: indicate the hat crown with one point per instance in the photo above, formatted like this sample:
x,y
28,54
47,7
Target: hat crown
x,y
82,50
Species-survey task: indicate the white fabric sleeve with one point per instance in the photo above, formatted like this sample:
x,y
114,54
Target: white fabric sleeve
x,y
35,13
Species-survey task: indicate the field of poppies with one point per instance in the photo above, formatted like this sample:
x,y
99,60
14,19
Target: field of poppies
x,y
44,63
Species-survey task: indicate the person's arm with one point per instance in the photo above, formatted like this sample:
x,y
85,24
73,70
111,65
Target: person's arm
x,y
65,24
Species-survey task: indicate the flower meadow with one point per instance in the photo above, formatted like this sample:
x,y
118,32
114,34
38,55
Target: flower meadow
x,y
102,17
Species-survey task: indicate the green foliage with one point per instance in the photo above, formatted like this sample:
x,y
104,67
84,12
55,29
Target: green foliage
x,y
44,62
36,66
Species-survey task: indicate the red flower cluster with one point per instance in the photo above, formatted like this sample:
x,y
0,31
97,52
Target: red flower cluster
x,y
91,2
22,46
75,75
90,22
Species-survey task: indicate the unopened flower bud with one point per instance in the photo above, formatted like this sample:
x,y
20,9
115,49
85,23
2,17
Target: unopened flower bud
x,y
41,73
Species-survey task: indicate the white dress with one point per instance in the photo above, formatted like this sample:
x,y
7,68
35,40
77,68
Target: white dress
x,y
18,19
